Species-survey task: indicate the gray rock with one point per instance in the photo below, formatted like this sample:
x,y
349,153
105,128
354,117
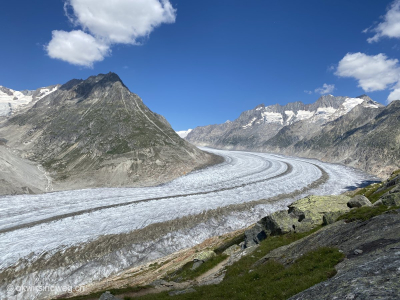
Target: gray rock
x,y
358,252
254,235
204,256
391,198
331,217
232,249
197,264
359,201
186,291
108,296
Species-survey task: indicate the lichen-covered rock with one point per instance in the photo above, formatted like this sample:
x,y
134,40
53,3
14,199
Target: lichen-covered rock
x,y
305,214
205,256
359,201
232,249
331,217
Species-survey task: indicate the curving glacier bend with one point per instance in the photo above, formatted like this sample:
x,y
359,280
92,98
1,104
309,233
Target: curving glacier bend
x,y
34,227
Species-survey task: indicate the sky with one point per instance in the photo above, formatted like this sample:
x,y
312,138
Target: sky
x,y
205,62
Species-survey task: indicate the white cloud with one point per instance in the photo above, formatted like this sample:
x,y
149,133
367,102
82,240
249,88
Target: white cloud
x,y
76,47
394,95
308,92
374,73
121,21
104,23
390,27
325,89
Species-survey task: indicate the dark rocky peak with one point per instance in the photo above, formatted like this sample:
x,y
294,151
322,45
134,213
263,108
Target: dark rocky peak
x,y
70,84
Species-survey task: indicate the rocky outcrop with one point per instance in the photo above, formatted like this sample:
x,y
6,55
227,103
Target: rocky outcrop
x,y
302,216
359,201
371,268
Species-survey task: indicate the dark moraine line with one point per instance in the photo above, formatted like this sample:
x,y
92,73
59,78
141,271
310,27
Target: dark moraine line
x,y
85,211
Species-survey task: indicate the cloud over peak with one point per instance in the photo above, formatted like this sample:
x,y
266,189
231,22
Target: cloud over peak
x,y
373,73
104,23
325,89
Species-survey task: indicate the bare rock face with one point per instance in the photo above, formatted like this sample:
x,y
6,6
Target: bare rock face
x,y
96,133
372,265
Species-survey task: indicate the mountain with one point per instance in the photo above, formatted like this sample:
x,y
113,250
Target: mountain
x,y
184,133
96,133
355,131
12,101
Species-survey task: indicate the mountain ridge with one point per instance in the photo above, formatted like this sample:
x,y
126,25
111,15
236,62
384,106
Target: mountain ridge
x,y
321,130
96,133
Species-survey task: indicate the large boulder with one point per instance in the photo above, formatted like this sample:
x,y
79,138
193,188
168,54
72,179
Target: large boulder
x,y
254,235
391,198
305,214
302,216
204,256
108,296
359,201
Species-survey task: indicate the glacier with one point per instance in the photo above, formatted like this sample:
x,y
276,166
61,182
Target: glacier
x,y
37,227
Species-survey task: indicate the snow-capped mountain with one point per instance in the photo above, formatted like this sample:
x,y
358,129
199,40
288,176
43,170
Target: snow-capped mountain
x,y
355,131
12,101
184,133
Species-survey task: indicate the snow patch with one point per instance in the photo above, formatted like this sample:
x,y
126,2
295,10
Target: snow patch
x,y
270,117
184,133
249,124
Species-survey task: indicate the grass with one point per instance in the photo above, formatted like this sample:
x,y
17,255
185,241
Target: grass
x,y
269,281
365,213
186,272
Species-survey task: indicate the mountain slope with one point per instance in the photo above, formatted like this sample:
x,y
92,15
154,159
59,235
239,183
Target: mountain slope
x,y
355,131
96,133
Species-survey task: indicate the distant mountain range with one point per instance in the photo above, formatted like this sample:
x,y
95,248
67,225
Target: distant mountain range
x,y
358,132
12,101
91,133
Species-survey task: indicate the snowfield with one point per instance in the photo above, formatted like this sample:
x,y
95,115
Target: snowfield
x,y
38,226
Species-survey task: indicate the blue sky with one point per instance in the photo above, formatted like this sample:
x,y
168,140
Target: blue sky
x,y
204,62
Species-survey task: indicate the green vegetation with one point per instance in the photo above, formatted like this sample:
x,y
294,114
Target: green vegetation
x,y
270,280
186,272
365,213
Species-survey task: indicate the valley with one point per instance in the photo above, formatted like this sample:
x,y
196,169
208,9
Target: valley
x,y
82,236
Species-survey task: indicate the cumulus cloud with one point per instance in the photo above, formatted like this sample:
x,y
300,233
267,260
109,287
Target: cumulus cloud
x,y
103,23
308,92
374,73
325,89
390,27
394,95
76,47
